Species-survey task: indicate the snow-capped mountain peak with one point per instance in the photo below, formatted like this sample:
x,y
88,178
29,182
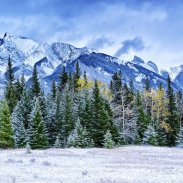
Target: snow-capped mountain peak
x,y
50,57
149,65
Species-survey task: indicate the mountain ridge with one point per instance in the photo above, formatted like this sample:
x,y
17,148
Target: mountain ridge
x,y
49,59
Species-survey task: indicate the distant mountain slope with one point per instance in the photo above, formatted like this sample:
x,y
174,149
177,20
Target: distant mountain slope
x,y
51,57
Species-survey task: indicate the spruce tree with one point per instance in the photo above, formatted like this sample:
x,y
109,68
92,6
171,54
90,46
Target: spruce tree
x,y
54,90
179,141
10,94
77,75
116,87
101,118
147,85
108,141
63,79
6,130
22,111
142,118
20,120
79,137
50,120
148,99
35,85
64,117
86,116
85,79
19,86
172,118
37,133
150,136
58,143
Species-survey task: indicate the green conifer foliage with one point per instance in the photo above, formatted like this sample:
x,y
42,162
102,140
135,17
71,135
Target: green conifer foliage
x,y
6,130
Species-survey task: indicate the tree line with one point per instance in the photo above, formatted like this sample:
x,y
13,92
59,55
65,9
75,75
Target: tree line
x,y
81,113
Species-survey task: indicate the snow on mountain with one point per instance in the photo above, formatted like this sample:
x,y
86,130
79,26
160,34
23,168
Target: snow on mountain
x,y
175,71
149,65
49,59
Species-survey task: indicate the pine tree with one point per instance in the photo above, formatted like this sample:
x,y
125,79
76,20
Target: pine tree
x,y
159,114
179,104
10,94
54,90
71,83
113,127
101,118
147,98
6,130
131,92
108,141
21,113
179,141
77,75
19,87
58,143
147,86
150,136
37,133
172,118
142,119
28,148
79,138
64,116
86,117
63,79
50,120
35,87
131,130
116,87
85,79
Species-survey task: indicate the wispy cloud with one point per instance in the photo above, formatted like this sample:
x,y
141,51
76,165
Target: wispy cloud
x,y
135,44
103,24
100,42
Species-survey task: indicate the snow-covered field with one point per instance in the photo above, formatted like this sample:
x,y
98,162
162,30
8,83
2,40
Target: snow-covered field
x,y
127,164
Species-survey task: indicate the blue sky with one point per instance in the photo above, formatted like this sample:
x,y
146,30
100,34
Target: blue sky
x,y
151,29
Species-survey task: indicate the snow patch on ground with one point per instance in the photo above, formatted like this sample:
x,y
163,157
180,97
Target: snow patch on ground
x,y
127,164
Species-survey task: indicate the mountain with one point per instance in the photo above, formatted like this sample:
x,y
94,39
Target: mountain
x,y
176,74
51,57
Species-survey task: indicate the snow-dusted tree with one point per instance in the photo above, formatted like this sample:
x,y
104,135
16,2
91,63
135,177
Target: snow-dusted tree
x,y
87,116
37,133
130,129
68,119
79,138
172,118
20,119
159,114
20,135
180,138
63,79
58,143
119,102
10,94
108,140
28,148
6,130
43,104
150,136
142,118
53,90
35,85
77,75
50,119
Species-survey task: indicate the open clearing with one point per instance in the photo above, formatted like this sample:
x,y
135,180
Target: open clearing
x,y
127,164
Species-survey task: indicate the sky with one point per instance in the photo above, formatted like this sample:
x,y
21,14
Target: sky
x,y
150,29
